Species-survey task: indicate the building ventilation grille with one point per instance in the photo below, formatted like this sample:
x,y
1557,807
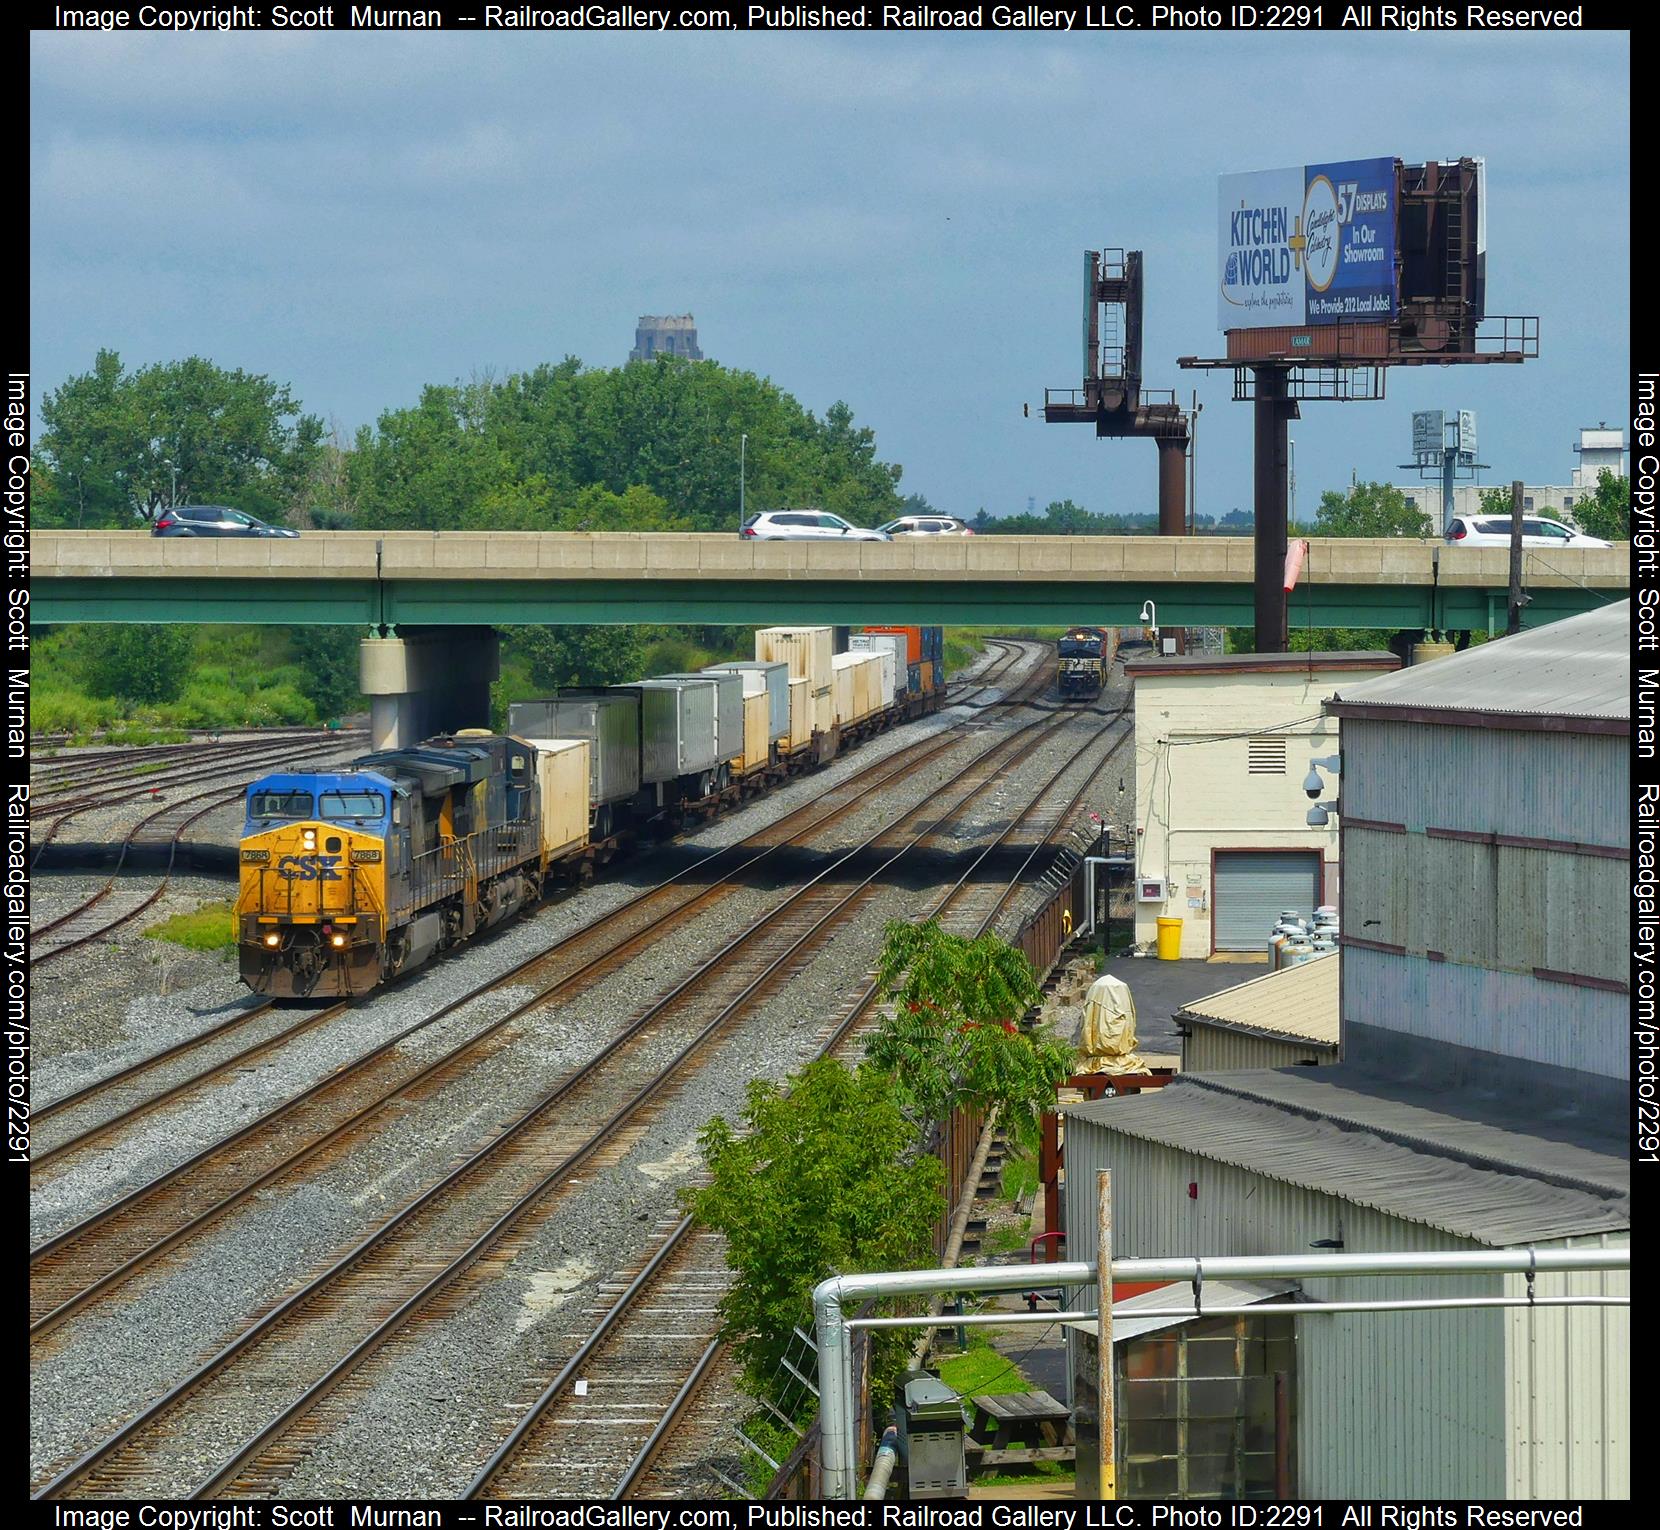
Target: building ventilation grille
x,y
1266,756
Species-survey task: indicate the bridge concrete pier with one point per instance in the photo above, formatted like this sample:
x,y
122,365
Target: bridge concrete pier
x,y
431,680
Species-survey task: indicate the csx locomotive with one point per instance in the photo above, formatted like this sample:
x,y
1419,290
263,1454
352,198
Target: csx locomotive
x,y
352,877
349,878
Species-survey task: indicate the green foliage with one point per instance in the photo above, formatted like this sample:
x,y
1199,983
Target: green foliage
x,y
328,661
1369,510
211,927
952,1039
557,656
1606,511
138,663
1062,518
825,1179
119,444
644,447
1316,639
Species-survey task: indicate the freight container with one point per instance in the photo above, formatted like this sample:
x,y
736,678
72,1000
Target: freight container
x,y
893,644
774,678
871,684
933,645
607,716
757,731
806,650
729,710
847,696
824,710
562,777
889,678
913,678
926,671
801,714
677,729
912,636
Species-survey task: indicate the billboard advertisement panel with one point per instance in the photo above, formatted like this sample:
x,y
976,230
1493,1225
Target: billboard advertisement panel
x,y
1314,244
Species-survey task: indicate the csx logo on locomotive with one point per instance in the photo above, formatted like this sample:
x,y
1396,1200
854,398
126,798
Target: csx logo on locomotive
x,y
309,868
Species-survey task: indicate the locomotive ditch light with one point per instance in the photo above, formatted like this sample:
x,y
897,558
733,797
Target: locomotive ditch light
x,y
273,940
337,940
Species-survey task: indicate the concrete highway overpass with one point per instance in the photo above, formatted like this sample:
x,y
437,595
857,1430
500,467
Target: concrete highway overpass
x,y
410,579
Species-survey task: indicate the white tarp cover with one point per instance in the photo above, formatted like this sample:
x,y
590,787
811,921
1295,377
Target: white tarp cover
x,y
1108,1041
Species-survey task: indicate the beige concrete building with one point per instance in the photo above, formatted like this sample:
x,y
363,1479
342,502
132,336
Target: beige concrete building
x,y
1223,743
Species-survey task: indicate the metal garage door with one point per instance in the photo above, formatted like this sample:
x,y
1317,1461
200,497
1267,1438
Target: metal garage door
x,y
1252,886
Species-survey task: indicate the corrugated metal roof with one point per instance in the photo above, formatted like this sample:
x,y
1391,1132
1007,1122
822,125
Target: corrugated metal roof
x,y
1578,667
1252,663
1414,1184
1127,1324
1296,1001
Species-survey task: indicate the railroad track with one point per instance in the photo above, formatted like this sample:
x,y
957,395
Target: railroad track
x,y
64,774
241,756
652,905
575,1447
368,1292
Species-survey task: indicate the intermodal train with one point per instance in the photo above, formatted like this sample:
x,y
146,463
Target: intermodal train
x,y
1083,655
352,877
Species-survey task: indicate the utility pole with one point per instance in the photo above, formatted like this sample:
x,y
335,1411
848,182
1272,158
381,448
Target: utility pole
x,y
1105,1425
1513,618
743,449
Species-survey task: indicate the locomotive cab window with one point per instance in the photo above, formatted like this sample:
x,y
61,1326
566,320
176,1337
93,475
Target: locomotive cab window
x,y
280,805
339,805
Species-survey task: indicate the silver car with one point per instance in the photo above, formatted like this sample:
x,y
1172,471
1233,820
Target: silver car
x,y
928,526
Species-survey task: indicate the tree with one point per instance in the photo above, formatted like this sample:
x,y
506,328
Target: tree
x,y
952,1039
1369,510
823,1180
174,433
329,658
560,656
1606,511
138,664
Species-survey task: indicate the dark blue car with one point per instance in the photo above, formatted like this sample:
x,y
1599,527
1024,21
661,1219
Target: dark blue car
x,y
213,521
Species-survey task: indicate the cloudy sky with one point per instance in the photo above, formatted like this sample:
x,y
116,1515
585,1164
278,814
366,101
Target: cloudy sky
x,y
897,221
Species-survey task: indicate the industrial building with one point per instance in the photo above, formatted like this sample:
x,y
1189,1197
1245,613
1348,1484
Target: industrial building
x,y
1282,1019
1222,745
673,334
1600,449
1480,1103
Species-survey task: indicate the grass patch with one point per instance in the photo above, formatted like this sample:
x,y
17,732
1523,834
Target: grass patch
x,y
1020,1175
1007,1240
1038,1471
980,1368
211,927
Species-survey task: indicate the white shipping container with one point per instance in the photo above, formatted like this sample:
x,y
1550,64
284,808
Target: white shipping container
x,y
845,691
801,714
824,709
896,672
562,778
757,729
869,683
887,677
807,650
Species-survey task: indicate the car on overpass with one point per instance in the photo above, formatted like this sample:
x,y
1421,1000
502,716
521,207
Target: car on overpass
x,y
1537,531
927,526
809,525
214,521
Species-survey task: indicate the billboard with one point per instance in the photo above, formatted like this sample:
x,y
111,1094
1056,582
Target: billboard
x,y
1314,244
1429,433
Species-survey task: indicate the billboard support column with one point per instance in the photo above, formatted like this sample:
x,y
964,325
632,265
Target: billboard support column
x,y
1273,415
1172,486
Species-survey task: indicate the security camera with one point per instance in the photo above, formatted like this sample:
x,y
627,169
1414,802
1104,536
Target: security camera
x,y
1147,616
1312,784
1318,816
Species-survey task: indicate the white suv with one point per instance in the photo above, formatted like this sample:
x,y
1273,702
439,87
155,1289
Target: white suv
x,y
1494,531
813,525
928,526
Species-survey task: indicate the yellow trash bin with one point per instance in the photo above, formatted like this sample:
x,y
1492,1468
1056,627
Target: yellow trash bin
x,y
1170,940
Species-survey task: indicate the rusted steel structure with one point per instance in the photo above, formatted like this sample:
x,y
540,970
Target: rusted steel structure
x,y
1111,398
1434,219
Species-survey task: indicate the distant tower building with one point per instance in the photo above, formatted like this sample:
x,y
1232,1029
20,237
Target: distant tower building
x,y
672,334
1600,451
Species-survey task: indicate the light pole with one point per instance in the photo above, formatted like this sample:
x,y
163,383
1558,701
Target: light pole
x,y
1292,477
743,449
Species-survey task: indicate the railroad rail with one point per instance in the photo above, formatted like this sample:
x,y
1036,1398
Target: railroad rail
x,y
504,1180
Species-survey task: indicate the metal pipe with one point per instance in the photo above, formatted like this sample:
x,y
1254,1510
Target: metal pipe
x,y
881,1469
1296,1309
836,1413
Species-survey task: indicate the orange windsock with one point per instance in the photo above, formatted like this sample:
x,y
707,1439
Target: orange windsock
x,y
1294,556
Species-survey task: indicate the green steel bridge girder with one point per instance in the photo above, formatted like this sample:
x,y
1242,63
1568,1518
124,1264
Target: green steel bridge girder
x,y
554,602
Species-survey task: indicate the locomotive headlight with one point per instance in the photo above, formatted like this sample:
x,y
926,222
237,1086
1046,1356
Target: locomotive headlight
x,y
273,940
309,838
337,941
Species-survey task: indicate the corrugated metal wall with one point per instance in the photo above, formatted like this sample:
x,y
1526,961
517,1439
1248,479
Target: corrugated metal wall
x,y
1569,786
1390,1405
1507,1012
1489,905
1584,1355
1215,1048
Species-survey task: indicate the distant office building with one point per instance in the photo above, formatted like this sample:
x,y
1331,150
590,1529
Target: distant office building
x,y
1599,449
673,334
